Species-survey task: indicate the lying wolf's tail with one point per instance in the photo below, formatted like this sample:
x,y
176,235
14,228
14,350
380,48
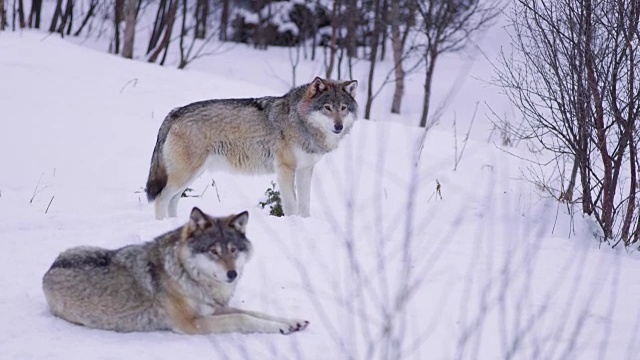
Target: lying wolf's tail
x,y
158,172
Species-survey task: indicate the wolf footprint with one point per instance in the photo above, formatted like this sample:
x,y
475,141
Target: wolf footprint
x,y
293,326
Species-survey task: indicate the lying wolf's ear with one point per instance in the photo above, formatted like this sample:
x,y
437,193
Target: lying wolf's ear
x,y
350,87
198,220
317,86
239,222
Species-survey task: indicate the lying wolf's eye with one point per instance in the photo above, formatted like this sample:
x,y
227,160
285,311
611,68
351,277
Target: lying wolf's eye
x,y
233,250
213,252
343,108
327,107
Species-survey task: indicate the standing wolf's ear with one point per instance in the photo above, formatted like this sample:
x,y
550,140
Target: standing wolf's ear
x,y
198,220
316,87
350,87
239,222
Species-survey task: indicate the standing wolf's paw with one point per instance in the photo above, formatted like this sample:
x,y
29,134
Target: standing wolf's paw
x,y
292,326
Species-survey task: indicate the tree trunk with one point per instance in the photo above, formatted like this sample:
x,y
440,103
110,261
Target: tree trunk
x,y
568,192
202,10
334,35
431,63
67,18
64,16
92,8
631,202
164,43
314,39
608,187
352,10
398,49
56,15
224,20
375,38
130,9
183,33
34,14
158,26
3,19
21,17
384,20
117,19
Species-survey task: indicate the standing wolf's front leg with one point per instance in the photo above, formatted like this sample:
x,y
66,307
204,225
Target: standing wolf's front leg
x,y
303,189
286,181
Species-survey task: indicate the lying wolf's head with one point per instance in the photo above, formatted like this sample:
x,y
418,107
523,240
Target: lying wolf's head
x,y
215,247
331,105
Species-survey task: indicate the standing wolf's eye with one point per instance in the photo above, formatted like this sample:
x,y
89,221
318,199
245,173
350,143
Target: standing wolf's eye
x,y
343,107
327,107
213,252
233,250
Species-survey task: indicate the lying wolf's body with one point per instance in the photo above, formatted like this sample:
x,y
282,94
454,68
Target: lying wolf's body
x,y
181,281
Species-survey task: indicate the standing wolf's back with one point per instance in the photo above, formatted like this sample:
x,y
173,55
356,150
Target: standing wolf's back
x,y
226,121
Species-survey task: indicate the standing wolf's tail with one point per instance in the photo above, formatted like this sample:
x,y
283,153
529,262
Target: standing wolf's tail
x,y
158,172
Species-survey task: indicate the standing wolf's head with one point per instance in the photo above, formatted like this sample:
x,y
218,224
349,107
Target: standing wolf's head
x,y
214,248
331,105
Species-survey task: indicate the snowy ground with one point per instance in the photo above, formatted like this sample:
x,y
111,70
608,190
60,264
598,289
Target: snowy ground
x,y
384,268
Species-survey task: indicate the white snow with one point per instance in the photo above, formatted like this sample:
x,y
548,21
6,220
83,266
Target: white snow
x,y
491,270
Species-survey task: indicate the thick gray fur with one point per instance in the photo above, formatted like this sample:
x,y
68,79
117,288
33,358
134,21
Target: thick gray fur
x,y
181,281
286,135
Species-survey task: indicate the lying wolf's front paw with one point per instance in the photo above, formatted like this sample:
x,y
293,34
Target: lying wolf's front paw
x,y
293,326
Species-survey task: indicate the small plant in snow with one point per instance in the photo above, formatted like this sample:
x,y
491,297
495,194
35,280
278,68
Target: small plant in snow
x,y
187,192
273,201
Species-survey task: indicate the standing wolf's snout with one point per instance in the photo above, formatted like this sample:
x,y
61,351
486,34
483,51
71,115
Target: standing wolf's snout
x,y
338,128
231,275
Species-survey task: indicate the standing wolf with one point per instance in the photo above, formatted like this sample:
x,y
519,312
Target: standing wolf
x,y
181,281
287,135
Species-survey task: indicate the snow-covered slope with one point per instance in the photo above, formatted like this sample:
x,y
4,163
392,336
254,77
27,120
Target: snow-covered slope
x,y
384,268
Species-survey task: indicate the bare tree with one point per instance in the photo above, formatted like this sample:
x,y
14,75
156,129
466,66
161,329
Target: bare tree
x,y
375,39
66,18
224,20
183,34
401,13
168,29
21,17
352,9
294,60
56,16
190,52
158,26
335,24
384,20
264,30
117,18
447,26
201,13
3,16
577,86
89,14
34,14
130,12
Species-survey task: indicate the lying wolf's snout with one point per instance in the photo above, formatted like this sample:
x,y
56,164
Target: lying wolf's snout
x,y
338,128
231,274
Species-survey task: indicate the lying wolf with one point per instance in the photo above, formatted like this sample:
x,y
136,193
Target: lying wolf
x,y
287,135
181,281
